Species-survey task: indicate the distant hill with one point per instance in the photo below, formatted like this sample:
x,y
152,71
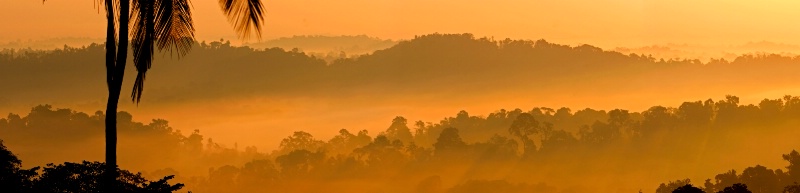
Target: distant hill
x,y
444,63
351,45
707,52
429,76
49,44
258,96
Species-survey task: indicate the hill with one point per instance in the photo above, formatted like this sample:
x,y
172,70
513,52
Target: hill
x,y
425,78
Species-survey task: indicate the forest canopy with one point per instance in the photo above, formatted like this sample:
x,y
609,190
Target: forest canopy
x,y
446,63
541,149
537,149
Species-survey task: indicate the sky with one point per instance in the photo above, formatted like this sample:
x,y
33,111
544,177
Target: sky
x,y
604,23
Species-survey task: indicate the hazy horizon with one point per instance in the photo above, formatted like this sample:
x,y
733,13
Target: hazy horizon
x,y
353,45
369,109
419,96
621,23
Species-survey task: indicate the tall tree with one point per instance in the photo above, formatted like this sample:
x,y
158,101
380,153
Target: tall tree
x,y
399,130
523,126
164,23
449,142
794,165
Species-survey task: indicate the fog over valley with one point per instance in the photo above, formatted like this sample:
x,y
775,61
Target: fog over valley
x,y
436,113
217,87
412,96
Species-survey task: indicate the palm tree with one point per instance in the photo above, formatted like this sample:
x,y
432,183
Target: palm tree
x,y
166,24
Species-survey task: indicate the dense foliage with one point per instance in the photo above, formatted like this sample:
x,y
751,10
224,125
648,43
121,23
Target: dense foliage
x,y
71,178
460,64
503,145
517,150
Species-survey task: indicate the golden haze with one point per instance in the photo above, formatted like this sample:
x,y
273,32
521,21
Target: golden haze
x,y
604,23
212,95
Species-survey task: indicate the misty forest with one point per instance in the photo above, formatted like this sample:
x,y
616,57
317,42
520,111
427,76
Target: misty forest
x,y
717,142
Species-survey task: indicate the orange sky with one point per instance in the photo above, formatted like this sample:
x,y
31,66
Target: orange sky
x,y
606,23
263,121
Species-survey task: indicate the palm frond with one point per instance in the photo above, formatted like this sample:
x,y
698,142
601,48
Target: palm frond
x,y
174,26
246,16
112,13
164,23
143,32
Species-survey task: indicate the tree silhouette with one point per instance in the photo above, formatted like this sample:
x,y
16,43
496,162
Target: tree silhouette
x,y
760,179
794,165
672,186
350,157
726,179
258,173
346,142
449,141
688,188
735,188
792,188
399,130
300,140
299,162
708,187
522,127
12,177
86,177
167,24
620,120
72,177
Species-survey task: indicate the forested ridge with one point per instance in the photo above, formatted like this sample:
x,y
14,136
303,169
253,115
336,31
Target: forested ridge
x,y
540,149
514,150
452,64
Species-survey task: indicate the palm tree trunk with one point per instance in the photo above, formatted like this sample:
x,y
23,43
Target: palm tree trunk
x,y
122,48
108,182
117,56
111,139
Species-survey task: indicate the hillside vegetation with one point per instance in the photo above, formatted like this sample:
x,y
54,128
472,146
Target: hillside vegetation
x,y
541,149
